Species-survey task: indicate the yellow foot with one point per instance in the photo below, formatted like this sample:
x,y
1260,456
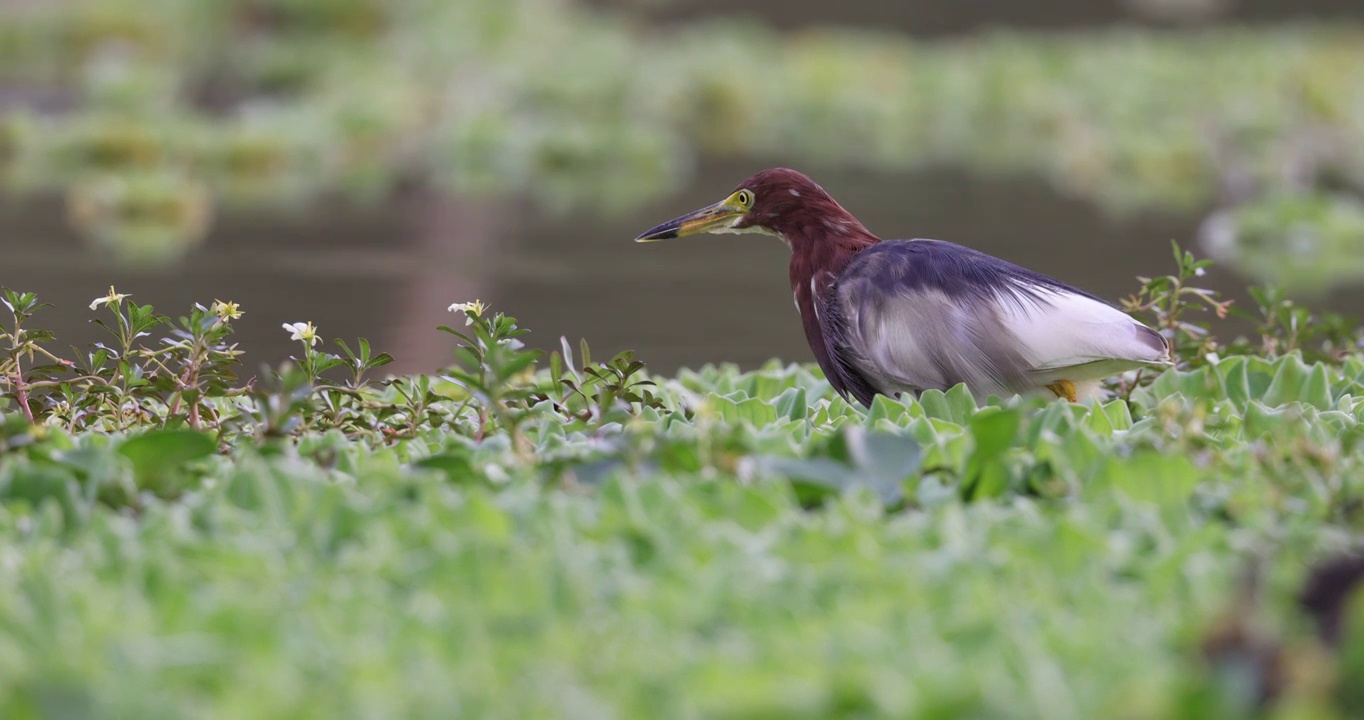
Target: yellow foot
x,y
1063,389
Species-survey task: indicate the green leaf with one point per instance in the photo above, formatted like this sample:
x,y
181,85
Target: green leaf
x,y
1097,420
1316,391
934,403
158,457
39,483
755,411
1235,380
791,403
447,329
1259,376
1290,380
1149,476
485,518
457,467
813,479
886,408
767,385
960,402
881,462
1261,420
993,431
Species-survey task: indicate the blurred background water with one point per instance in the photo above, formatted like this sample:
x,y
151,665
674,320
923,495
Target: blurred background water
x,y
363,164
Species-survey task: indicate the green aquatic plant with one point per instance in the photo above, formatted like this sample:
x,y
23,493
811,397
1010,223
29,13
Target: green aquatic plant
x,y
719,543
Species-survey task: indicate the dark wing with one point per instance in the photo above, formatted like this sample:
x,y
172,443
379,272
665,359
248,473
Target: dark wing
x,y
835,361
823,330
919,314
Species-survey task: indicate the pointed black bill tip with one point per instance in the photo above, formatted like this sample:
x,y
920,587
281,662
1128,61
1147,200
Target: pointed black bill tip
x,y
663,231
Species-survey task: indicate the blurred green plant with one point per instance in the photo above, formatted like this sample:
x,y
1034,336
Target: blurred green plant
x,y
430,541
1306,242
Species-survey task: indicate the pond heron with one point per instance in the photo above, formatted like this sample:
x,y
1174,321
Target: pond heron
x,y
895,316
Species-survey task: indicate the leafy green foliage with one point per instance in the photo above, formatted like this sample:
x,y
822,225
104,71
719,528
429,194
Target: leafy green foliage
x,y
1283,325
717,544
1170,298
156,456
1172,303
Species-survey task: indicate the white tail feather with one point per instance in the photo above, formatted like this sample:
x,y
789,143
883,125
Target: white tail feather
x,y
1063,330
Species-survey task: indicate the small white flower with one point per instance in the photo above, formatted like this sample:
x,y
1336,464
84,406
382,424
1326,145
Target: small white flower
x,y
305,332
227,310
112,297
1200,272
471,310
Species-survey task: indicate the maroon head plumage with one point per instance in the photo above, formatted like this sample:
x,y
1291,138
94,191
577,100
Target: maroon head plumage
x,y
822,235
781,202
785,203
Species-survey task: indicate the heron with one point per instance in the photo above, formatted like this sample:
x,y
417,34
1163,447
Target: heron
x,y
904,316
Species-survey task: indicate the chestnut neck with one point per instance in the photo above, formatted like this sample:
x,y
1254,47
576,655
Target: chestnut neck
x,y
822,243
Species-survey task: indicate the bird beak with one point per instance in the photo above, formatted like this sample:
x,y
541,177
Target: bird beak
x,y
712,217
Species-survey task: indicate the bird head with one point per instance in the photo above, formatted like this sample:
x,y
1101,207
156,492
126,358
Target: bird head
x,y
776,202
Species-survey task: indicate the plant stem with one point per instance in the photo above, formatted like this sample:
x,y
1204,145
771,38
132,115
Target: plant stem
x,y
21,390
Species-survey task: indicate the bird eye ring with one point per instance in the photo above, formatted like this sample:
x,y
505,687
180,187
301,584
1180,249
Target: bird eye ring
x,y
745,198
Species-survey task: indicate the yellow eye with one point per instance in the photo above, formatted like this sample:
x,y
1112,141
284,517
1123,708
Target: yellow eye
x,y
745,198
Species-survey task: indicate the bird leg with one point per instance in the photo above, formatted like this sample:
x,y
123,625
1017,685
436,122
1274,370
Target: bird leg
x,y
1063,389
